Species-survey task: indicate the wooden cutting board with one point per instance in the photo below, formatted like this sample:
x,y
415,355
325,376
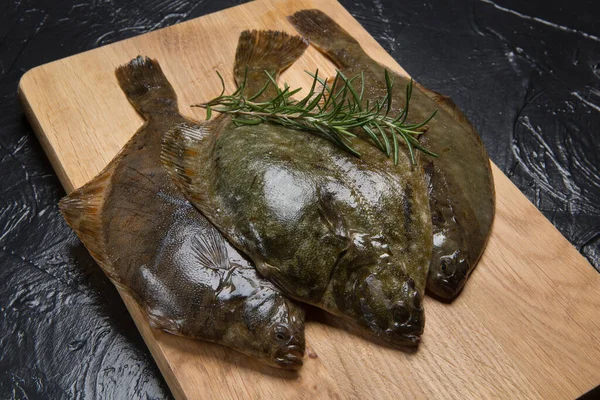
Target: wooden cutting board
x,y
527,324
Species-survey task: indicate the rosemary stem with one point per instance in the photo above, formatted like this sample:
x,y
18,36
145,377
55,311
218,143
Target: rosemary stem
x,y
333,112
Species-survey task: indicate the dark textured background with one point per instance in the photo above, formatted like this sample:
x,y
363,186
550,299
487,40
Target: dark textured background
x,y
527,73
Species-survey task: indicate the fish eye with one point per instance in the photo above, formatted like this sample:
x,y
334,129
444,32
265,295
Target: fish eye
x,y
282,334
448,267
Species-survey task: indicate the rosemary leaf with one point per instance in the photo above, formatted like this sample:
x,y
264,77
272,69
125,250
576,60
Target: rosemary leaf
x,y
335,112
389,83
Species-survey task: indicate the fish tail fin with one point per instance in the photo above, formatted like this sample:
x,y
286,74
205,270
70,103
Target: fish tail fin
x,y
82,210
147,87
260,51
327,36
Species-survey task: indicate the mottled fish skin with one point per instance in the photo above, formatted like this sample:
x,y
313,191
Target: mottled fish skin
x,y
350,235
450,267
153,243
462,191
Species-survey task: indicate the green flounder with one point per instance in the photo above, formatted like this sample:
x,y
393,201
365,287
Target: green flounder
x,y
154,244
460,180
350,235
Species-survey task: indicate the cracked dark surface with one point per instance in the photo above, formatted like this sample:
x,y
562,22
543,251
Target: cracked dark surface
x,y
526,73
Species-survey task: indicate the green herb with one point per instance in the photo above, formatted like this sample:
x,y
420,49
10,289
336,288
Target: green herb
x,y
333,111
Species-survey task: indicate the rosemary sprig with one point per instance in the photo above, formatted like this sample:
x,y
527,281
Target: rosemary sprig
x,y
334,111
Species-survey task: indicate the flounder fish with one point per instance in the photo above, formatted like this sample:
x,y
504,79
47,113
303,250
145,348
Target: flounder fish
x,y
349,235
460,180
153,243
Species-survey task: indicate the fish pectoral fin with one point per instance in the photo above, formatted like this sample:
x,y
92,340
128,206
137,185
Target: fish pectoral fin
x,y
332,217
210,251
429,175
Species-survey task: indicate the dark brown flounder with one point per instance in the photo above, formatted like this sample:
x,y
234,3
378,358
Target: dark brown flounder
x,y
153,243
460,180
350,235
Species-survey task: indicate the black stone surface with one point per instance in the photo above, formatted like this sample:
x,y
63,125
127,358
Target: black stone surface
x,y
526,73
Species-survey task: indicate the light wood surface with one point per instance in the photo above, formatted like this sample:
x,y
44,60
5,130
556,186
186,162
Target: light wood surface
x,y
527,324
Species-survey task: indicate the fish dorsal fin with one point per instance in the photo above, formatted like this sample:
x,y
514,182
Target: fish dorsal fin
x,y
82,209
210,250
447,105
186,155
181,145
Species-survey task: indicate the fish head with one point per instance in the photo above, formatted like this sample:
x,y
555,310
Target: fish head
x,y
287,338
390,305
277,327
448,274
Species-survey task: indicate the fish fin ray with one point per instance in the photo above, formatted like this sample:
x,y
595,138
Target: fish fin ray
x,y
326,35
157,320
210,250
180,144
82,209
448,105
147,87
265,50
429,173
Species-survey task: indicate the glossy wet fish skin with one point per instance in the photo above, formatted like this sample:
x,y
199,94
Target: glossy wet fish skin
x,y
456,239
450,266
351,235
463,165
228,304
158,247
328,228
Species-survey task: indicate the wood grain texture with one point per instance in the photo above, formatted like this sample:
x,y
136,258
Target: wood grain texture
x,y
526,326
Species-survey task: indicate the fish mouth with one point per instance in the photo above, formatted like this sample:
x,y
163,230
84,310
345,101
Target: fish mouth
x,y
411,340
403,339
290,357
409,333
446,284
448,288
